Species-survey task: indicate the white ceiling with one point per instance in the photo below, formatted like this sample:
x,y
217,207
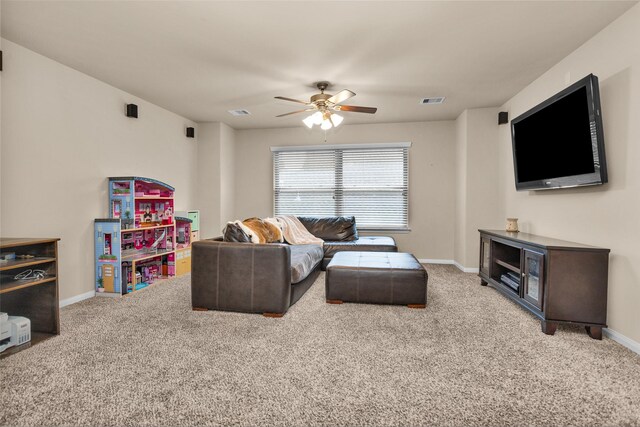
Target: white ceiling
x,y
200,59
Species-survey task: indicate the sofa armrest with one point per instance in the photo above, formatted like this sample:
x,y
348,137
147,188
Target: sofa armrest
x,y
246,277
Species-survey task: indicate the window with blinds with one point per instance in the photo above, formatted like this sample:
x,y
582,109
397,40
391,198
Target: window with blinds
x,y
370,182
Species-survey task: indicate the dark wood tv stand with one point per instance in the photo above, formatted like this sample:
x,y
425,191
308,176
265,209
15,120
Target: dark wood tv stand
x,y
559,281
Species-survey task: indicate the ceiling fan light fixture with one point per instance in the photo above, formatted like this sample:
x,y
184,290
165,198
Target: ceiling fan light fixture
x,y
323,106
309,121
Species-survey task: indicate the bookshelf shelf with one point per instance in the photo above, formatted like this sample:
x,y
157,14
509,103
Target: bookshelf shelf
x,y
18,263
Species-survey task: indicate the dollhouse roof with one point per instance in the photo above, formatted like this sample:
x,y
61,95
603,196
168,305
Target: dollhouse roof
x,y
140,178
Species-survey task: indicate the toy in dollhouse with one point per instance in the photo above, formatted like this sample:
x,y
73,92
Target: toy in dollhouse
x,y
121,188
138,240
127,241
138,283
145,275
167,216
106,254
127,222
147,216
107,244
117,207
158,243
183,232
128,244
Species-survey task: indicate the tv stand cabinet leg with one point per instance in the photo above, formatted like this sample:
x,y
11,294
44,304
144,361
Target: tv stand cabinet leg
x,y
594,332
548,328
483,282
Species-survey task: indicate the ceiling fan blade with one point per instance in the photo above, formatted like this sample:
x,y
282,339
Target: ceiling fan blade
x,y
284,98
356,109
295,112
341,96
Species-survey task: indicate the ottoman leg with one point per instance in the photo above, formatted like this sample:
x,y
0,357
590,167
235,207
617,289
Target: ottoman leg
x,y
334,301
417,305
200,309
273,314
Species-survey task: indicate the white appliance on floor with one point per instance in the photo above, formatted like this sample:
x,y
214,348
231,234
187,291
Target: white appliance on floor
x,y
14,330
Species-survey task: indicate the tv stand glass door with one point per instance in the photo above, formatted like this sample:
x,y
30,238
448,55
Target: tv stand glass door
x,y
533,277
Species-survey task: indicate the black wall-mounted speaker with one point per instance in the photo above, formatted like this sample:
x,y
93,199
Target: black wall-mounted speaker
x,y
0,60
503,117
132,110
191,132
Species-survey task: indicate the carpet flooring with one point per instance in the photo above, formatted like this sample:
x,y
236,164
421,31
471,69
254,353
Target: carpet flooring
x,y
470,358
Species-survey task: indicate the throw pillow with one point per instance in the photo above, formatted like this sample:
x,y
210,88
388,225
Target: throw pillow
x,y
234,233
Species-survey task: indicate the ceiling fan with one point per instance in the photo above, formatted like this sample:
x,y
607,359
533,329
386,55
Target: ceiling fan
x,y
323,105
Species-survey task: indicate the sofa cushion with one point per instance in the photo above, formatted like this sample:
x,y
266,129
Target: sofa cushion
x,y
304,258
364,243
333,228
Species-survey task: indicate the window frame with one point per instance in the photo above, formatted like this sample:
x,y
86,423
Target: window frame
x,y
339,188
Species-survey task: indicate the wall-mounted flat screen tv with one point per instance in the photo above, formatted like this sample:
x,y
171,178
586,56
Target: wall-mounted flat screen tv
x,y
560,142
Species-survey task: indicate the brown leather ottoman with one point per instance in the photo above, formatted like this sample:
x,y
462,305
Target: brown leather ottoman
x,y
376,277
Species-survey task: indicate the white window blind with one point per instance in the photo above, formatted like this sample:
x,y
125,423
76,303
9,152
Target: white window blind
x,y
369,182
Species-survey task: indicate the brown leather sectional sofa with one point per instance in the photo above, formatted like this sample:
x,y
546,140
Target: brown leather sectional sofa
x,y
269,278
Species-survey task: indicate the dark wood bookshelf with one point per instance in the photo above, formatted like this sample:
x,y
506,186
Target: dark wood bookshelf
x,y
36,299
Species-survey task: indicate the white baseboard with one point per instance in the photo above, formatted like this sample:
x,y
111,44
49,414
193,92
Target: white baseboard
x,y
466,269
621,339
450,261
435,261
77,298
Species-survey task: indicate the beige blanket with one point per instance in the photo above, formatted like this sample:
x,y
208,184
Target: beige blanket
x,y
295,233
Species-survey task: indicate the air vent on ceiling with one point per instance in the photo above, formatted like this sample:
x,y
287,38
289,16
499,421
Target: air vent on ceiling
x,y
432,100
240,112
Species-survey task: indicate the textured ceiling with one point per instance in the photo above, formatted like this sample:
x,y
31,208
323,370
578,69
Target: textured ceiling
x,y
200,59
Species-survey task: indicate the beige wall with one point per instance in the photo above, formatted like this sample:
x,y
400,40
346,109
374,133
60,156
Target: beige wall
x,y
606,215
215,184
478,204
431,175
63,134
481,204
208,183
227,175
460,227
